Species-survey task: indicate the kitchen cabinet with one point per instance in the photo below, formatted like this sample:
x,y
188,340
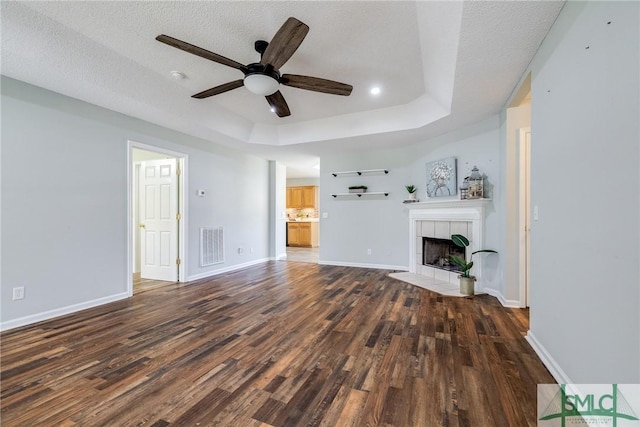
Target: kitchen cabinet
x,y
302,197
302,234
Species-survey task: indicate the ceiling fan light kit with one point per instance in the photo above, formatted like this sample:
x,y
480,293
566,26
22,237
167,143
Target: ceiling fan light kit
x,y
261,84
264,78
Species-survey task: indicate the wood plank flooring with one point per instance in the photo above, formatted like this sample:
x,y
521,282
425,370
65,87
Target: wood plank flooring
x,y
278,344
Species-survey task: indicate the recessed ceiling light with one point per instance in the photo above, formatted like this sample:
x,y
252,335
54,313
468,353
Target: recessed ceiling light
x,y
375,90
178,75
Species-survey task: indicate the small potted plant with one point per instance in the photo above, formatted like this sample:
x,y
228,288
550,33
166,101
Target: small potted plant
x,y
412,191
358,189
467,281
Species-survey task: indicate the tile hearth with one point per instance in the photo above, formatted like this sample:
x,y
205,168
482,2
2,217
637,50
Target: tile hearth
x,y
431,284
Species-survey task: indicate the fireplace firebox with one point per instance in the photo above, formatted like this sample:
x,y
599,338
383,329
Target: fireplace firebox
x,y
437,252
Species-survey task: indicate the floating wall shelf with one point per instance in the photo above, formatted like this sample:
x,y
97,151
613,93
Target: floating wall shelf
x,y
369,171
374,193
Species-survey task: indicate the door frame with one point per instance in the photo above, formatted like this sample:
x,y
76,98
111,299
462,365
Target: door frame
x,y
183,202
524,212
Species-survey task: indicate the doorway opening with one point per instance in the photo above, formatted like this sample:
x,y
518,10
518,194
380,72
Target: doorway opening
x,y
518,167
302,215
524,220
157,203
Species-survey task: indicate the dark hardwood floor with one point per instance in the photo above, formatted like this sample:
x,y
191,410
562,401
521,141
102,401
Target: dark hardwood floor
x,y
279,344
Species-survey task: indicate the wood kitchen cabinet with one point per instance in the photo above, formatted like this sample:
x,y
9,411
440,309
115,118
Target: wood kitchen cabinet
x,y
302,197
302,234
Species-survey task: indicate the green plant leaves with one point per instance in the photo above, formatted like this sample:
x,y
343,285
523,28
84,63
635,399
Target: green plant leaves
x,y
463,242
484,250
460,240
459,261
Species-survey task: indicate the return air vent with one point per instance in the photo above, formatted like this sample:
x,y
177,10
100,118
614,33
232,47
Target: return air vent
x,y
211,246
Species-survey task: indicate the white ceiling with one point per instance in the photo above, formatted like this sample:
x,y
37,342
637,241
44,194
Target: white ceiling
x,y
440,65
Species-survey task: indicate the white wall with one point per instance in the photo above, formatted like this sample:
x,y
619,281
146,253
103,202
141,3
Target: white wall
x,y
64,196
356,224
382,223
585,293
277,209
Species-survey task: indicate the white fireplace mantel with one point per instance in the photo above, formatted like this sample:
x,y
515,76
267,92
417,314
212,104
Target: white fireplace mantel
x,y
470,211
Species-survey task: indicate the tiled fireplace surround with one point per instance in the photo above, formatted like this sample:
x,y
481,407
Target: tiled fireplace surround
x,y
441,219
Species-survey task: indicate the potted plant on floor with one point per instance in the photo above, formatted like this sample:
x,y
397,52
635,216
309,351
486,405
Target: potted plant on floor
x,y
467,281
412,191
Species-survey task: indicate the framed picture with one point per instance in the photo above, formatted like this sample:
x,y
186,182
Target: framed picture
x,y
441,178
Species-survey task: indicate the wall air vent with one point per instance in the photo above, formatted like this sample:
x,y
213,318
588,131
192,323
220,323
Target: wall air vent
x,y
211,246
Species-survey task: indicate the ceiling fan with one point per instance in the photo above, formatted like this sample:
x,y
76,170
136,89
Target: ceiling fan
x,y
264,78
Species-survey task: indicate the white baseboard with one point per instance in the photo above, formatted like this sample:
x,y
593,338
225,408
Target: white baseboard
x,y
281,257
47,315
556,371
227,269
511,303
359,265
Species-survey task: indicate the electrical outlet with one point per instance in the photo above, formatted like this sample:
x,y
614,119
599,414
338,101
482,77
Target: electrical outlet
x,y
251,250
240,250
18,293
368,251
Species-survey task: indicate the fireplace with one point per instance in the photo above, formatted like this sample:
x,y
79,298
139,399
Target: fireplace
x,y
431,225
437,253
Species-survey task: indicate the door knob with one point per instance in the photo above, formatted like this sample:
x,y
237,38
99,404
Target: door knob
x,y
142,226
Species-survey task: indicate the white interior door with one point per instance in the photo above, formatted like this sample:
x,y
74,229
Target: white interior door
x,y
158,220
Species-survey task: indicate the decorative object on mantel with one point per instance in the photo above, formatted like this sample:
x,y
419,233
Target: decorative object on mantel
x,y
412,191
441,178
476,184
358,189
467,281
464,188
472,186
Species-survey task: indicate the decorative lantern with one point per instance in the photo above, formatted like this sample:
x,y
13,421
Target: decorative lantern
x,y
476,184
464,189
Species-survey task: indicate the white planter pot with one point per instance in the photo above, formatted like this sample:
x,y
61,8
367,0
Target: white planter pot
x,y
467,285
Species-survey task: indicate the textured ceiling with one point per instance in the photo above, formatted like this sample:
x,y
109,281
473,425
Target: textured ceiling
x,y
440,65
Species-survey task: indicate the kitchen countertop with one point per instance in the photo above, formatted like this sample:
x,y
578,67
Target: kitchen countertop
x,y
304,220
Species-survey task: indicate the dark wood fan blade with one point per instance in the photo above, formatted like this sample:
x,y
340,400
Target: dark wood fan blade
x,y
285,43
316,84
188,47
277,102
219,89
